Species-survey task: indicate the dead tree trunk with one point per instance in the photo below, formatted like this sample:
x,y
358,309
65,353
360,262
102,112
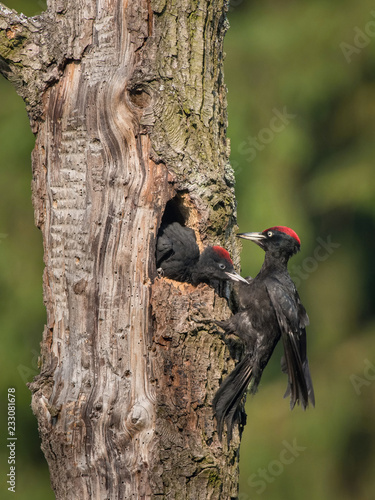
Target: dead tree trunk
x,y
128,106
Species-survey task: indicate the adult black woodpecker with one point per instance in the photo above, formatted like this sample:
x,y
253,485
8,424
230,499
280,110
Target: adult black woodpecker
x,y
270,308
178,256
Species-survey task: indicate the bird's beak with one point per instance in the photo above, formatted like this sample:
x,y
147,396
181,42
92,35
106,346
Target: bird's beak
x,y
256,237
236,277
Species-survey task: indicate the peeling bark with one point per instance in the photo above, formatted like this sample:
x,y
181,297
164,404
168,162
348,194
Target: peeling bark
x,y
128,105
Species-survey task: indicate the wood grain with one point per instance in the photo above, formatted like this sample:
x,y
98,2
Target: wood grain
x,y
128,105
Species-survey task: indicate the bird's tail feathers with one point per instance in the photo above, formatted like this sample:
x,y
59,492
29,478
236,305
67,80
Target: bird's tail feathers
x,y
227,400
300,388
310,388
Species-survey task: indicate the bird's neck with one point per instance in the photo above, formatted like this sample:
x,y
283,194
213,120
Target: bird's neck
x,y
275,262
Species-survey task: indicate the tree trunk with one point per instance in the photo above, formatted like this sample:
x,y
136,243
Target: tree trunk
x,y
128,106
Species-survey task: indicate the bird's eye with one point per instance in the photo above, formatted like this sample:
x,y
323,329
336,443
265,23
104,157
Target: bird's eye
x,y
269,234
222,266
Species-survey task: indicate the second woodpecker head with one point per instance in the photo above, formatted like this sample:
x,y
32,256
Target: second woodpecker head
x,y
215,264
280,241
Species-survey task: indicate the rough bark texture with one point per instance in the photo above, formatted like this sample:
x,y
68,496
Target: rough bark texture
x,y
127,102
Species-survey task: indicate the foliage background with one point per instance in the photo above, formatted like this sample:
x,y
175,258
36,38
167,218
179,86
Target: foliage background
x,y
313,170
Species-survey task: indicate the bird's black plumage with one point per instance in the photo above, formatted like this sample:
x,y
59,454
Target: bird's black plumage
x,y
177,254
270,309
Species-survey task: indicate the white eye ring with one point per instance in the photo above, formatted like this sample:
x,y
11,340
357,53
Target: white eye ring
x,y
222,266
269,234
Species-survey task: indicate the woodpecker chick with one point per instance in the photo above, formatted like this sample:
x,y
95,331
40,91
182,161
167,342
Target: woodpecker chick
x,y
177,254
270,308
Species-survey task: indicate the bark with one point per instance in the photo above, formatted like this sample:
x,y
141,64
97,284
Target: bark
x,y
128,106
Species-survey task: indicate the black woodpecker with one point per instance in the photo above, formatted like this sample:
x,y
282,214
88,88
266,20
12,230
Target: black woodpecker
x,y
270,308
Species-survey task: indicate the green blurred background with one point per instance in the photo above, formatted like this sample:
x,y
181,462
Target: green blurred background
x,y
301,103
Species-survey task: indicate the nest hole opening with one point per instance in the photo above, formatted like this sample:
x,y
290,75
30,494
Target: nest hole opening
x,y
175,211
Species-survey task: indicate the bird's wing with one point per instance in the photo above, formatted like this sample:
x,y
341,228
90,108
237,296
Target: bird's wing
x,y
176,250
170,239
291,316
164,249
303,319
